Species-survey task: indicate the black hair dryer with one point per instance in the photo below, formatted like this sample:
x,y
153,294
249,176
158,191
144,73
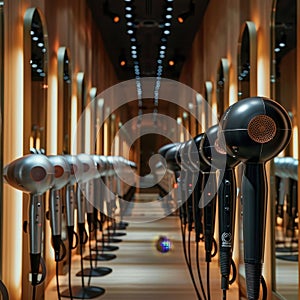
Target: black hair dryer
x,y
255,130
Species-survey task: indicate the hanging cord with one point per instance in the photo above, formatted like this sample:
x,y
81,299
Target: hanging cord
x,y
264,288
215,247
57,282
59,258
199,271
83,237
207,281
43,266
33,292
71,235
234,272
227,281
91,229
188,262
3,291
224,294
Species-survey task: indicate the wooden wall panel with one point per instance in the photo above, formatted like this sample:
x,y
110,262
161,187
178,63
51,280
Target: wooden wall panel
x,y
69,24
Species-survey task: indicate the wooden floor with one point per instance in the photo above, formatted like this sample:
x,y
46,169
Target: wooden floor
x,y
141,272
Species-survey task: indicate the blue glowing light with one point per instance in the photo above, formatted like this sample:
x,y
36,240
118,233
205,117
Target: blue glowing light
x,y
163,244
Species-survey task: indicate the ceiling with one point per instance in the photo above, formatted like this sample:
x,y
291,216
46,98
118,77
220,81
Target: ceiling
x,y
148,25
285,28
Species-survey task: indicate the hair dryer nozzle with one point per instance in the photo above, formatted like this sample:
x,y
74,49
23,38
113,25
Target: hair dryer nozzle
x,y
32,173
256,129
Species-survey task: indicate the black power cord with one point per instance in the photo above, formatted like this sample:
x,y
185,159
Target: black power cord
x,y
264,288
59,257
35,283
188,263
3,291
199,271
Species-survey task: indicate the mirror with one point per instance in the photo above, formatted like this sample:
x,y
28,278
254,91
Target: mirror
x,y
64,76
222,87
81,104
284,194
94,125
247,60
35,54
208,88
35,116
247,87
64,93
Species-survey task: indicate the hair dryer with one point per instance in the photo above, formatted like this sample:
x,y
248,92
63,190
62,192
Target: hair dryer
x,y
190,157
190,177
83,177
61,178
208,195
32,174
75,168
172,157
215,155
255,130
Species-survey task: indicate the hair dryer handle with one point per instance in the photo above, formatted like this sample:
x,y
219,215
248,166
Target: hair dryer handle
x,y
55,212
227,205
189,202
36,221
70,205
81,202
209,211
254,196
197,209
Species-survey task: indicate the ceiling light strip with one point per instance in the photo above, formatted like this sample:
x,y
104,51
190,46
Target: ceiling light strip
x,y
166,31
134,53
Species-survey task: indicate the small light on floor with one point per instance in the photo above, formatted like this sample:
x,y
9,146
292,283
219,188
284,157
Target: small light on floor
x,y
163,244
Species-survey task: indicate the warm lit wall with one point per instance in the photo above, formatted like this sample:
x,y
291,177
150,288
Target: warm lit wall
x,y
69,24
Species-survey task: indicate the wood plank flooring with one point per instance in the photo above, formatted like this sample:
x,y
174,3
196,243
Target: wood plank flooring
x,y
140,271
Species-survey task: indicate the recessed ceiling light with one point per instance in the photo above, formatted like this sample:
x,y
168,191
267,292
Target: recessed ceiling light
x,y
171,62
128,16
116,19
168,16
